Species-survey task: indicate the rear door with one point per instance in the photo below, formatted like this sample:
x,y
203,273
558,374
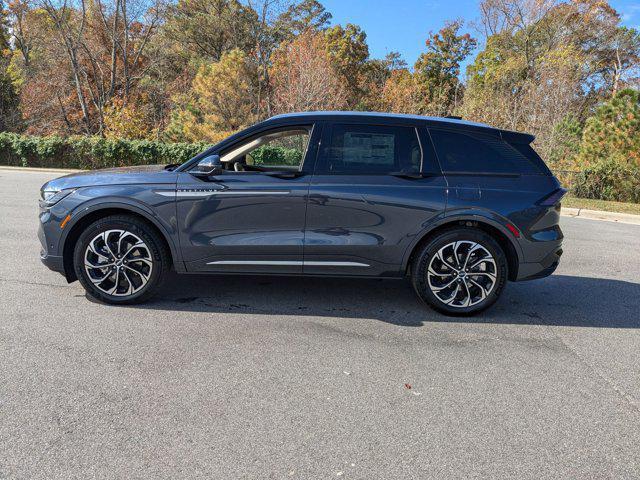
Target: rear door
x,y
373,190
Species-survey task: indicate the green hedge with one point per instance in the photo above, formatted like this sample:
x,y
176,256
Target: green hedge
x,y
276,155
609,180
90,152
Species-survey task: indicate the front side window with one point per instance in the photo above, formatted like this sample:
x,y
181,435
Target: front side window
x,y
371,149
282,149
478,153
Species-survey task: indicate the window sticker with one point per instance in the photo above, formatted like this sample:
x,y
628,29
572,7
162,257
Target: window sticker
x,y
368,148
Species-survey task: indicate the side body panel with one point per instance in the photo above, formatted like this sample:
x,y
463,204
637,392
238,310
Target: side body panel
x,y
503,201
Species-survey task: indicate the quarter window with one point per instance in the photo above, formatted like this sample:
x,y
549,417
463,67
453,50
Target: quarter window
x,y
371,149
478,153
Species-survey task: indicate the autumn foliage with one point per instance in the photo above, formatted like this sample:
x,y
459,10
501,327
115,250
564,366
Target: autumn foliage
x,y
198,70
303,78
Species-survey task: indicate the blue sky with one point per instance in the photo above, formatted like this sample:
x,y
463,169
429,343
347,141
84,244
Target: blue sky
x,y
403,25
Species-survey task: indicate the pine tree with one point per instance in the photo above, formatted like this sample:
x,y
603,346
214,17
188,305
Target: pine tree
x,y
614,131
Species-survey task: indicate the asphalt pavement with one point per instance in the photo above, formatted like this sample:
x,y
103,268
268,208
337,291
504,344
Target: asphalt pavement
x,y
261,377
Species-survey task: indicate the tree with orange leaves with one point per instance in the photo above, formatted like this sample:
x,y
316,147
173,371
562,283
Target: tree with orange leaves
x,y
303,77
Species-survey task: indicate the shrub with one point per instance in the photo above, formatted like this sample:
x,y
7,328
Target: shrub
x,y
609,179
276,155
90,152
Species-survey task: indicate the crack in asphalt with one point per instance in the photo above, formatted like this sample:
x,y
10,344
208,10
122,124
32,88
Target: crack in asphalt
x,y
37,284
627,398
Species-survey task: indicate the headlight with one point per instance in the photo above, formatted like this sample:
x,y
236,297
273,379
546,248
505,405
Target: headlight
x,y
51,197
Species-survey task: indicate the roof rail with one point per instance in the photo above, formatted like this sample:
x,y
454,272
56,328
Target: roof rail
x,y
453,117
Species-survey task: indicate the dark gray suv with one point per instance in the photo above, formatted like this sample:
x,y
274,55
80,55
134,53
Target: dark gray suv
x,y
458,207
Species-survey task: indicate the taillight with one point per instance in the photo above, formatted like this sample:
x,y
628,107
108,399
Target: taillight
x,y
553,198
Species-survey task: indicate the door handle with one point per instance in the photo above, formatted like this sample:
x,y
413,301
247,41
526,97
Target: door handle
x,y
285,175
411,175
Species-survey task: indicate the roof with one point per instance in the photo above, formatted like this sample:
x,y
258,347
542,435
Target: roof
x,y
286,118
402,116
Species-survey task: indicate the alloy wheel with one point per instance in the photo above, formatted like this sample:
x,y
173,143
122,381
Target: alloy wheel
x,y
462,274
118,262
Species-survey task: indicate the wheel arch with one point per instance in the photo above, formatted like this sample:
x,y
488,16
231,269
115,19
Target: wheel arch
x,y
90,215
493,228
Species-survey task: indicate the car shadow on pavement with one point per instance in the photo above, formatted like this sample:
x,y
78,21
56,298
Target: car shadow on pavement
x,y
559,300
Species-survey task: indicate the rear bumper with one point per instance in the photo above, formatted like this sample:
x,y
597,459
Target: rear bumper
x,y
544,268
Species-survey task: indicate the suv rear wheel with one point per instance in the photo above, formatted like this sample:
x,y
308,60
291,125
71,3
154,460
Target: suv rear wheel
x,y
461,271
120,260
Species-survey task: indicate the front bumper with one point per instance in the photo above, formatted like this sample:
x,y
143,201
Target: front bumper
x,y
48,235
52,262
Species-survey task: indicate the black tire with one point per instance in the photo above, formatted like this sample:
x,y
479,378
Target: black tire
x,y
430,249
159,257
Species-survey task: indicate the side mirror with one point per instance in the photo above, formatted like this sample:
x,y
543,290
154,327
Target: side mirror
x,y
210,165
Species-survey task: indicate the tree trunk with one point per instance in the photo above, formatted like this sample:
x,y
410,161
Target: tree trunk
x,y
125,52
114,43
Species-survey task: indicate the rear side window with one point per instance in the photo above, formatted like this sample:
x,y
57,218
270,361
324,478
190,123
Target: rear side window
x,y
371,149
468,152
528,151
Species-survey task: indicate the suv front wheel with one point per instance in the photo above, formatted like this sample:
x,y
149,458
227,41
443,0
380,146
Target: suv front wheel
x,y
461,271
120,260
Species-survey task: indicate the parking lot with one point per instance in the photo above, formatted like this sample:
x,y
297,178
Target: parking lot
x,y
256,377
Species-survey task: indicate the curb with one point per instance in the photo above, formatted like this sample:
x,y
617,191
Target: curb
x,y
35,169
627,218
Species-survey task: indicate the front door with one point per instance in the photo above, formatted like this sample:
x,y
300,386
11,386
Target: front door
x,y
375,188
250,218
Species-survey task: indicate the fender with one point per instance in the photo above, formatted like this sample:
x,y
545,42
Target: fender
x,y
134,206
467,214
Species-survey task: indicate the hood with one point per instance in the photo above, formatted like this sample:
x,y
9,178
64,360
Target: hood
x,y
143,174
